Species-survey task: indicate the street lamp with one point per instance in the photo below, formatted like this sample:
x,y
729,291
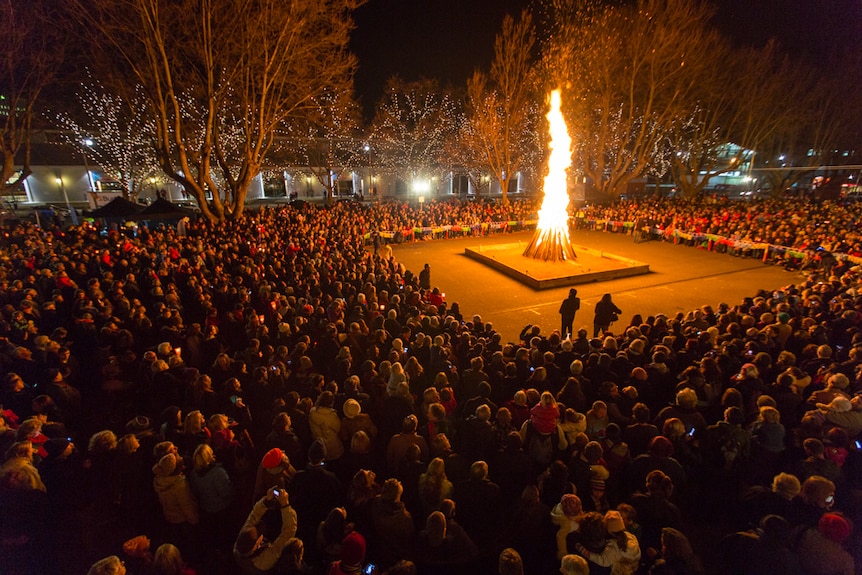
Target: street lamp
x,y
87,143
372,189
72,213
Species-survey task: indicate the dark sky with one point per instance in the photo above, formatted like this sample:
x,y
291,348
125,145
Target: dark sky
x,y
448,39
442,39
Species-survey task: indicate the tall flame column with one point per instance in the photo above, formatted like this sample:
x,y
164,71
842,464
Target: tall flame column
x,y
551,240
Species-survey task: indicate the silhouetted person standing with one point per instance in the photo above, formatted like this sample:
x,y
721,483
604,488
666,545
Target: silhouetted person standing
x,y
568,309
606,313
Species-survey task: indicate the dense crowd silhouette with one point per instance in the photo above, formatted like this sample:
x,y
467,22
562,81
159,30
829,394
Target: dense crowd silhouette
x,y
277,394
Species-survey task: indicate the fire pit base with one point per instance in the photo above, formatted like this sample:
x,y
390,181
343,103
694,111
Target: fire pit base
x,y
590,266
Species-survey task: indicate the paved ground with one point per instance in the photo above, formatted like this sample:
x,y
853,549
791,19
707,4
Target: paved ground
x,y
680,279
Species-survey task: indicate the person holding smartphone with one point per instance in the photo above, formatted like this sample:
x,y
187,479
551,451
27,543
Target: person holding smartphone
x,y
352,557
255,549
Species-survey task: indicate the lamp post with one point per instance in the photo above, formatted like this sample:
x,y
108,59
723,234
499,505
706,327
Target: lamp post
x,y
62,184
72,213
372,189
87,143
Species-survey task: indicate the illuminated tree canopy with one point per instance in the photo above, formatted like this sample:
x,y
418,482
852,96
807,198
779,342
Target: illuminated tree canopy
x,y
221,78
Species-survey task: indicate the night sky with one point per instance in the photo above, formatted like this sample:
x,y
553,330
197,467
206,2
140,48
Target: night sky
x,y
442,39
448,39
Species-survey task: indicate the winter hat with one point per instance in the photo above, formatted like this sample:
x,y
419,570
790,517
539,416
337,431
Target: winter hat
x,y
838,404
834,527
351,408
614,522
317,451
593,451
139,425
56,446
783,317
598,476
273,458
166,465
353,549
571,505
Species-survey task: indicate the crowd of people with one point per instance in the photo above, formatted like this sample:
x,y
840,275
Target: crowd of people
x,y
275,394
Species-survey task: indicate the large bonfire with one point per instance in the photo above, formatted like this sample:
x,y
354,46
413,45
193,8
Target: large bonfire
x,y
551,240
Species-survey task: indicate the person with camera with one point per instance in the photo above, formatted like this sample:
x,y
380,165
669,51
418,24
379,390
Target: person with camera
x,y
258,549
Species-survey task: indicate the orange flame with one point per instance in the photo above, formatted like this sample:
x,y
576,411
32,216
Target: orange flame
x,y
551,240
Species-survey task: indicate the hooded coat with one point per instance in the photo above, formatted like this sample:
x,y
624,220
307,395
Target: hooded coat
x,y
175,496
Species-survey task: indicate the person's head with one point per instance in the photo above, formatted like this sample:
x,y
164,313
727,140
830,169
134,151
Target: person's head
x,y
835,527
510,562
479,470
217,422
686,398
293,552
102,442
440,445
734,415
641,413
592,528
435,528
281,422
20,450
659,484
673,428
194,422
110,565
325,399
574,565
167,560
436,468
28,429
675,544
409,424
769,414
317,451
813,447
818,491
353,549
599,409
392,490
570,504
203,457
786,485
360,442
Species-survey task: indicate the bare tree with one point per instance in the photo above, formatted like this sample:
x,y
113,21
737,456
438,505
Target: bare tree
x,y
499,130
823,115
116,134
413,124
327,141
30,57
221,78
629,72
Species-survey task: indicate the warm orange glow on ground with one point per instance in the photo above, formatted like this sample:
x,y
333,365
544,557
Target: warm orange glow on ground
x,y
551,241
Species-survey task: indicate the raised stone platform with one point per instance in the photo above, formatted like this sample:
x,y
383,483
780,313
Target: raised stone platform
x,y
590,266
